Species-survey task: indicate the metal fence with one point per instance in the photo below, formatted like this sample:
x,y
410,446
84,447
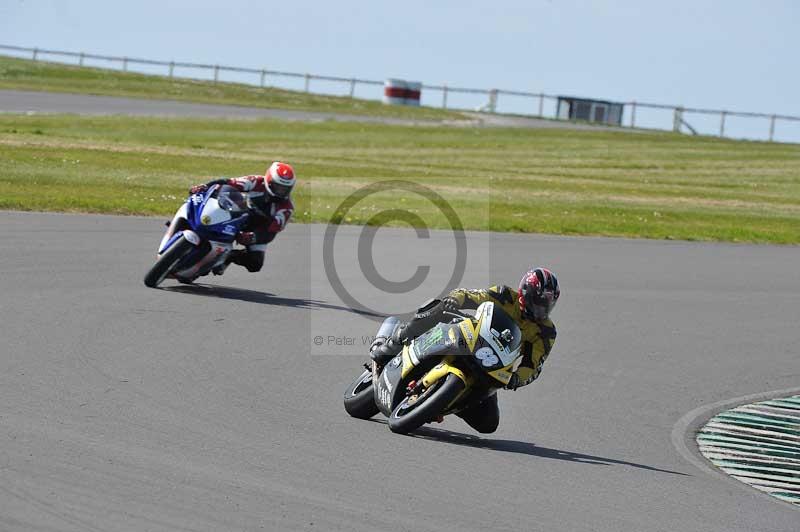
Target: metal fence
x,y
532,104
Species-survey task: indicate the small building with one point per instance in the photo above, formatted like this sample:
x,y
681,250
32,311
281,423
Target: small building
x,y
597,111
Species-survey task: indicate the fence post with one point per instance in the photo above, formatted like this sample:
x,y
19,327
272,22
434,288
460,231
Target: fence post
x,y
307,80
216,73
35,53
541,104
444,96
677,119
171,68
722,123
124,64
263,76
492,100
352,87
80,59
633,113
771,128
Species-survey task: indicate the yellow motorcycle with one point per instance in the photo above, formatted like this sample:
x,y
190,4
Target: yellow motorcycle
x,y
443,371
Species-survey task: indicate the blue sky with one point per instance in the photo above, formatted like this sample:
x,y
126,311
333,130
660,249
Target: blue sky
x,y
738,55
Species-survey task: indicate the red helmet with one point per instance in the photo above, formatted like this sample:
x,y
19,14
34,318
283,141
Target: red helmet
x,y
280,180
538,294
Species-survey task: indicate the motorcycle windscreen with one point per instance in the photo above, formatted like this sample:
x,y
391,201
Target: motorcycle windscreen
x,y
230,199
222,216
500,332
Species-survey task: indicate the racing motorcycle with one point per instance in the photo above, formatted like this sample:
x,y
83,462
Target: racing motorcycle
x,y
200,236
449,368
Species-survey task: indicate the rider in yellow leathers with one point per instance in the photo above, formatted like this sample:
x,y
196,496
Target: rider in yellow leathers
x,y
530,306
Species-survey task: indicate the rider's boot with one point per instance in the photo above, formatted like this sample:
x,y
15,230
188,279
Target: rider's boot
x,y
219,270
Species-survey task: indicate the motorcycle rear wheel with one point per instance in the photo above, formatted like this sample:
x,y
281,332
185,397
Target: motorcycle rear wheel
x,y
408,415
359,399
167,262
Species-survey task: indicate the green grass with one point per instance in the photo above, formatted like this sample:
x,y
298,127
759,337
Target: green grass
x,y
548,181
24,74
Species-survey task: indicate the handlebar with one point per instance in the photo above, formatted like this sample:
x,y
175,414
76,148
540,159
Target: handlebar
x,y
456,314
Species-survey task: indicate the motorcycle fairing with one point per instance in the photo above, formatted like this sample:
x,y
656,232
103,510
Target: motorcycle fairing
x,y
210,220
389,387
496,351
168,244
203,258
212,228
428,348
414,361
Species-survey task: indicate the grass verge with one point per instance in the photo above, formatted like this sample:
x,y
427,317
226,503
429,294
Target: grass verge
x,y
24,74
549,181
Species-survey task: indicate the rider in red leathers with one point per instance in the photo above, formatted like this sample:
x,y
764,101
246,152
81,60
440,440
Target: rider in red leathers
x,y
269,200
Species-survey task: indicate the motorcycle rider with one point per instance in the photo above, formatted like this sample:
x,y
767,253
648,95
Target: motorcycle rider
x,y
270,205
529,306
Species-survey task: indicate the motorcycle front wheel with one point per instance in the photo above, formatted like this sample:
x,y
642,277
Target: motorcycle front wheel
x,y
167,262
359,399
416,410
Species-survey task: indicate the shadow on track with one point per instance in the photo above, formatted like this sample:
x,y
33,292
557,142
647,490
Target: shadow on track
x,y
263,298
521,447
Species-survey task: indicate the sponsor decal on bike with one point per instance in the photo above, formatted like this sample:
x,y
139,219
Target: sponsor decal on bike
x,y
383,397
205,220
430,339
386,380
469,333
487,357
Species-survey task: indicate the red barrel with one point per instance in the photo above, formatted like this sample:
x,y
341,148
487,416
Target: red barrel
x,y
394,91
402,92
413,93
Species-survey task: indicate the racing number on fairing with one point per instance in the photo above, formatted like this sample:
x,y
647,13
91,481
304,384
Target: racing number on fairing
x,y
487,356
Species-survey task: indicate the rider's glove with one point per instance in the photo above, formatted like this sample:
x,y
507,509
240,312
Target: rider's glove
x,y
514,382
198,189
450,304
246,238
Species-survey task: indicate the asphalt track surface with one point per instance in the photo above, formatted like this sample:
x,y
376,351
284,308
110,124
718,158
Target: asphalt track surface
x,y
209,408
13,101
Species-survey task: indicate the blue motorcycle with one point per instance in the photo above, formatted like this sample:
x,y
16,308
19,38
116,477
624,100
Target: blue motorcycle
x,y
200,236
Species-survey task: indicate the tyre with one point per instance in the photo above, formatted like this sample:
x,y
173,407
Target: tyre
x,y
412,413
359,399
168,260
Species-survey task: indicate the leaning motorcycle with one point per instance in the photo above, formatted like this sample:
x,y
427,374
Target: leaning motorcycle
x,y
445,370
200,236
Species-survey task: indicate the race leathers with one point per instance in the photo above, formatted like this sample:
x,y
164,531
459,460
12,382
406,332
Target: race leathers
x,y
268,217
537,337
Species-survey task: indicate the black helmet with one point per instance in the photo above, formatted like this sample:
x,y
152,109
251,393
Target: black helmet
x,y
538,294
